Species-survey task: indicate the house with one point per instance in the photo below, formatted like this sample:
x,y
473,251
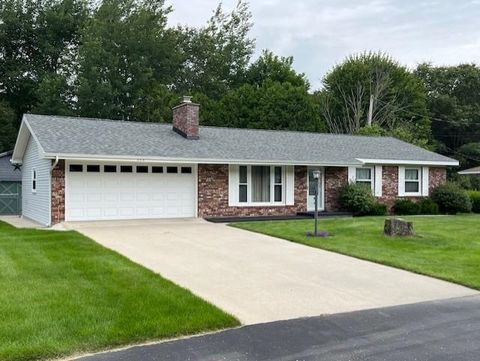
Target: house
x,y
78,169
471,171
10,186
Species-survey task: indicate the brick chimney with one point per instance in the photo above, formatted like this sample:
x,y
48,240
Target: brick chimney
x,y
186,118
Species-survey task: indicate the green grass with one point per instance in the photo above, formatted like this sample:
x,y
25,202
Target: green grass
x,y
446,247
61,293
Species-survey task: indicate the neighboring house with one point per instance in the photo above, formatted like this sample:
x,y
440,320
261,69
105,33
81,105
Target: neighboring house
x,y
471,171
10,186
77,169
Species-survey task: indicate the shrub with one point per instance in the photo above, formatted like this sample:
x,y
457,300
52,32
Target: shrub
x,y
378,209
428,206
475,199
356,198
404,207
451,198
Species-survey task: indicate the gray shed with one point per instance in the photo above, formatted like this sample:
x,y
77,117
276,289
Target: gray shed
x,y
10,186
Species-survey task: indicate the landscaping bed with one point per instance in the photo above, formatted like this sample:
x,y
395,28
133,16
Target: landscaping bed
x,y
62,293
446,247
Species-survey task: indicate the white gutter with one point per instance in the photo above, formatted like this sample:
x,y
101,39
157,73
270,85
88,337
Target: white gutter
x,y
54,163
409,162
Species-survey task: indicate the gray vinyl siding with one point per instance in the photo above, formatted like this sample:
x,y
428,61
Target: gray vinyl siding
x,y
7,171
36,206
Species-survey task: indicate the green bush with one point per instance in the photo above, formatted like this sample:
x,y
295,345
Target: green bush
x,y
357,198
378,209
428,206
452,199
404,207
475,199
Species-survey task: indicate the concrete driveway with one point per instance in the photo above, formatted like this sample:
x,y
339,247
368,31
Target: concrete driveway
x,y
258,278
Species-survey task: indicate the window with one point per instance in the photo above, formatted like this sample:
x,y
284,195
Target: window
x,y
157,169
142,169
186,170
364,176
110,168
34,181
93,168
126,169
242,184
412,180
76,168
259,184
277,188
172,170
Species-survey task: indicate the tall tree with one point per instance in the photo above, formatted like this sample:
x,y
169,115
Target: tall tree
x,y
37,39
126,55
216,56
8,132
373,81
453,99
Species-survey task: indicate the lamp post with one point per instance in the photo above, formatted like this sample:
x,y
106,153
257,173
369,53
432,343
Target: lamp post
x,y
316,176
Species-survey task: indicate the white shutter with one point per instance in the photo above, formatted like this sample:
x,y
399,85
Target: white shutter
x,y
378,180
425,181
289,185
352,174
401,181
233,179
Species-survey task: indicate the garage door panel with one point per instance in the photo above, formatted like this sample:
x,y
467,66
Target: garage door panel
x,y
103,196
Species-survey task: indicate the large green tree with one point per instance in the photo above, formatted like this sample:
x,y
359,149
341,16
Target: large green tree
x,y
127,55
8,131
453,98
37,40
216,56
397,96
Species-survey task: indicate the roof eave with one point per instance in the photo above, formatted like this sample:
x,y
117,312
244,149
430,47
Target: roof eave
x,y
444,163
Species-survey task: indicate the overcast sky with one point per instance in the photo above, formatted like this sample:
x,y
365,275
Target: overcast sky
x,y
320,33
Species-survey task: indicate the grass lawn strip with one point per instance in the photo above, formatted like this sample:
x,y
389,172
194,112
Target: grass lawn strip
x,y
62,293
446,247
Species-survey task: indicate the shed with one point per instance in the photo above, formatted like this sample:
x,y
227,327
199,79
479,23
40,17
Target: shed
x,y
10,186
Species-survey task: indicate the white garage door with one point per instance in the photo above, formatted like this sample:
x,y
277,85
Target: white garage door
x,y
128,191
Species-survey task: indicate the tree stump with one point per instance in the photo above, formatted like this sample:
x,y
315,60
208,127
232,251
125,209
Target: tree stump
x,y
398,227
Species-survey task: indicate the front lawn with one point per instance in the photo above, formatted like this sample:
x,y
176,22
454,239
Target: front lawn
x,y
62,293
446,247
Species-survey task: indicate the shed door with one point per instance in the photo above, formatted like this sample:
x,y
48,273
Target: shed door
x,y
126,191
10,198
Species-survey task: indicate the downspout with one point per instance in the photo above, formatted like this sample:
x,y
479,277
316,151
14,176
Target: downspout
x,y
54,164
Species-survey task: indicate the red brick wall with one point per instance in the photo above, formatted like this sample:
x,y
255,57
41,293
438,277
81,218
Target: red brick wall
x,y
213,195
437,176
389,186
58,193
335,177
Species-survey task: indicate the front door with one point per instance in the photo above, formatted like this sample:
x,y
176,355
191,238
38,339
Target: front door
x,y
311,189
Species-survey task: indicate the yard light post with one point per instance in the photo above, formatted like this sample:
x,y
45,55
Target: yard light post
x,y
316,176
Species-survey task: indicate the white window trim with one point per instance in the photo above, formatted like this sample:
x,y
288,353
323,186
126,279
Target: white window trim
x,y
422,179
34,179
234,183
352,176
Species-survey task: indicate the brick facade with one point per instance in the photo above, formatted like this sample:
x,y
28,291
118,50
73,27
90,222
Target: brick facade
x,y
213,195
389,186
335,177
437,176
58,193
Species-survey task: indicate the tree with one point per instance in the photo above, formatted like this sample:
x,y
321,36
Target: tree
x,y
396,95
216,56
7,125
37,37
127,55
453,100
270,67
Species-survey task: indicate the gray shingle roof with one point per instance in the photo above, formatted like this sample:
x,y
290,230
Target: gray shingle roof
x,y
7,171
475,170
95,137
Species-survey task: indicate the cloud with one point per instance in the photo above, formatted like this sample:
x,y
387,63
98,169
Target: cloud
x,y
320,33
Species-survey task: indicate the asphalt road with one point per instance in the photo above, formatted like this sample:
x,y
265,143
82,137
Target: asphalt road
x,y
437,331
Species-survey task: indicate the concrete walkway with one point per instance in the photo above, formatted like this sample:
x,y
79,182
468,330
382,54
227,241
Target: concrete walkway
x,y
258,278
20,222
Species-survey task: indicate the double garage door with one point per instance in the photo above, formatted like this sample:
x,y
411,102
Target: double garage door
x,y
128,191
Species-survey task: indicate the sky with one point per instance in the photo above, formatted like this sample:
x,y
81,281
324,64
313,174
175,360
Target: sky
x,y
321,33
